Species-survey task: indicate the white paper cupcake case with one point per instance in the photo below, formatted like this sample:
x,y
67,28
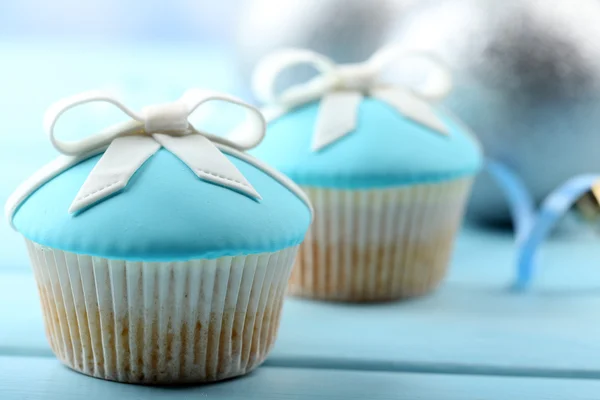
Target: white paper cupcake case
x,y
375,245
161,322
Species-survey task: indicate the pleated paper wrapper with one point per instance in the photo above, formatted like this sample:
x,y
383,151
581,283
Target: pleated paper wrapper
x,y
377,245
161,323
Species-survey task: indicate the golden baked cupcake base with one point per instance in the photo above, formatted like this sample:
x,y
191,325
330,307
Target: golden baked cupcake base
x,y
161,322
376,245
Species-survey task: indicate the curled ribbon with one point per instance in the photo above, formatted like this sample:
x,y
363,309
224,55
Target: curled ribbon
x,y
129,145
532,225
342,87
552,209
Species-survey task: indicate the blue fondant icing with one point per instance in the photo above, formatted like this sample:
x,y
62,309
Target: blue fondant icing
x,y
165,213
385,150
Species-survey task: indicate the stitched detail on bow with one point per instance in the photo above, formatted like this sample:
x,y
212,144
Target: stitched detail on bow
x,y
129,146
104,188
222,177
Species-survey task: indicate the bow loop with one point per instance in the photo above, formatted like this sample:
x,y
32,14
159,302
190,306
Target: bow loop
x,y
82,146
247,135
341,88
128,146
270,69
438,79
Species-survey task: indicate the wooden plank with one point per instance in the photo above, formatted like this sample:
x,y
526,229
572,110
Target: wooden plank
x,y
33,378
472,324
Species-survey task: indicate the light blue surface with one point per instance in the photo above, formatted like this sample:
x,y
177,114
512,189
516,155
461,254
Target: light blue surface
x,y
30,378
385,150
166,213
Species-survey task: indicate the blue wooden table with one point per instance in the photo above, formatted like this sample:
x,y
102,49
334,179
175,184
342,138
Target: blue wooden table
x,y
472,339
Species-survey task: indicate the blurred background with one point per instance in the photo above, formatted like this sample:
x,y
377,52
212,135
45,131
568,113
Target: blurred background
x,y
526,72
115,20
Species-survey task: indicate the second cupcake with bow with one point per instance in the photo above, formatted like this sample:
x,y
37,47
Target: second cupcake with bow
x,y
388,173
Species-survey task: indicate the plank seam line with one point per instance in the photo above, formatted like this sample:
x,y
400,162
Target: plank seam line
x,y
432,368
382,366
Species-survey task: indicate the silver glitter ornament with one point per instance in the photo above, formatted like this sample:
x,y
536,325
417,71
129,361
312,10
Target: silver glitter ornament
x,y
527,81
344,30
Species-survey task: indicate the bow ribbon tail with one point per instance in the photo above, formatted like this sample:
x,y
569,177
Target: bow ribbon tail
x,y
337,117
207,161
412,107
124,156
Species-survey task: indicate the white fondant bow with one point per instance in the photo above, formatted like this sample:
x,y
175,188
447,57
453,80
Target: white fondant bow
x,y
132,143
342,87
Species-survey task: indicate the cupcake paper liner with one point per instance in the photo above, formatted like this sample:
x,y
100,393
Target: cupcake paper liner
x,y
161,322
376,245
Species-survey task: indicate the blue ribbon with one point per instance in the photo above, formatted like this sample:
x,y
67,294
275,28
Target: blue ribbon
x,y
531,227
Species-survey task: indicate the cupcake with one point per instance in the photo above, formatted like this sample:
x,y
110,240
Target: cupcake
x,y
387,173
161,252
